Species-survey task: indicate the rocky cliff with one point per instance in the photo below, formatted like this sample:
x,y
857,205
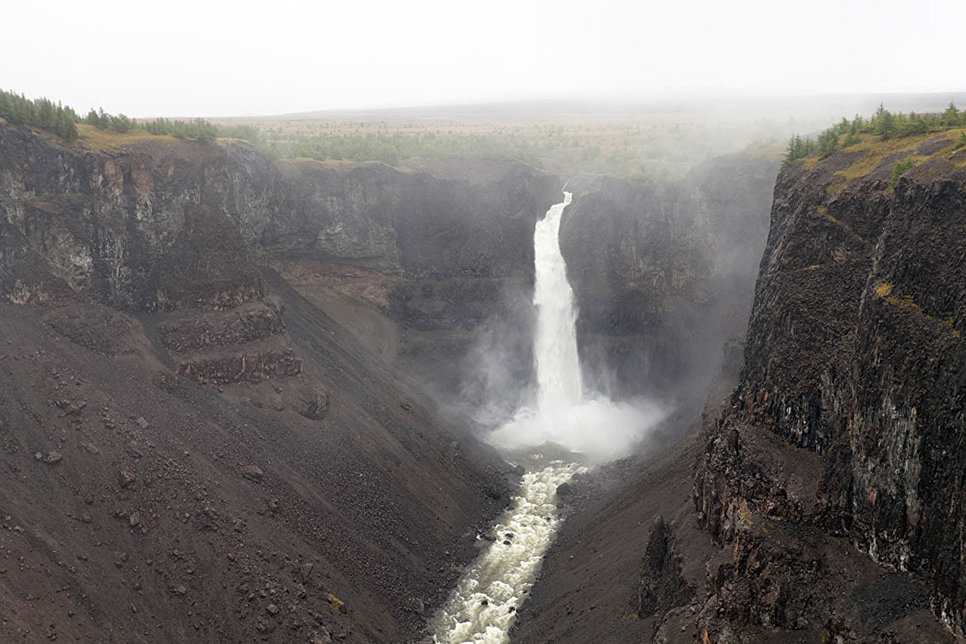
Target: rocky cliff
x,y
663,274
252,330
849,415
827,498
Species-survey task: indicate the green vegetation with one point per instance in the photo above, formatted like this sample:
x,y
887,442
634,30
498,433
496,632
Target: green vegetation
x,y
99,139
883,289
63,121
197,129
828,143
42,113
900,169
570,138
104,121
627,144
391,147
799,148
883,124
904,301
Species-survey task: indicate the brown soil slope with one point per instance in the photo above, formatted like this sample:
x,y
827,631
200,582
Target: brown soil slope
x,y
138,505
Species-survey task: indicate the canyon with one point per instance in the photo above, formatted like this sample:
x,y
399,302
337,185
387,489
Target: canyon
x,y
243,397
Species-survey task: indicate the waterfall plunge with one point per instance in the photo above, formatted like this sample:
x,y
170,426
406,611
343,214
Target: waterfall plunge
x,y
589,429
555,341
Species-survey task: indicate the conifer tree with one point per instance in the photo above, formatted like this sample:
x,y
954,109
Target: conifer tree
x,y
951,116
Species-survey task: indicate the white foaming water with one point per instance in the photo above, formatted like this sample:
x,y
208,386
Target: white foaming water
x,y
555,341
485,602
591,430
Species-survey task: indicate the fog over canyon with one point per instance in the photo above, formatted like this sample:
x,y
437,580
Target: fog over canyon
x,y
249,391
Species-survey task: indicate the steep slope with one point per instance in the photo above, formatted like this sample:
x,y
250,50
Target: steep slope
x,y
827,500
850,411
159,504
218,459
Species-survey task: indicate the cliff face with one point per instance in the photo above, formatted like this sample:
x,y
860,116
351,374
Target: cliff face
x,y
855,354
663,274
830,482
125,226
201,317
432,248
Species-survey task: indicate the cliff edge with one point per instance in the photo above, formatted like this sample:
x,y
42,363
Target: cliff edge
x,y
849,415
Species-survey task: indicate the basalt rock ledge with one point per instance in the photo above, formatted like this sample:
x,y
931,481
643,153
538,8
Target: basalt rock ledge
x,y
850,414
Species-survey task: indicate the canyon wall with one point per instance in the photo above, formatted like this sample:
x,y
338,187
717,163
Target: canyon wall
x,y
663,274
849,414
190,442
827,496
271,326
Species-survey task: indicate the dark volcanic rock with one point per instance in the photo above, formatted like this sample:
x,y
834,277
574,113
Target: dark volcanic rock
x,y
260,320
840,450
662,586
855,353
253,473
663,274
243,367
125,478
53,457
128,227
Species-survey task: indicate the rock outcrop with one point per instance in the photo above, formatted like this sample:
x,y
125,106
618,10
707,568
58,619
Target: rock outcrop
x,y
209,354
662,586
827,489
850,410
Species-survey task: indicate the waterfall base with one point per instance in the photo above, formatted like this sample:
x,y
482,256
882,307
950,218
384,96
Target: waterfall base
x,y
593,431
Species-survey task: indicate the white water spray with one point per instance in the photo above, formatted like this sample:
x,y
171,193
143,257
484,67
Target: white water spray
x,y
484,605
590,429
555,341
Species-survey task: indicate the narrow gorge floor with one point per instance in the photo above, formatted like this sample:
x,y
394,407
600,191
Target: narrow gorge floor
x,y
484,605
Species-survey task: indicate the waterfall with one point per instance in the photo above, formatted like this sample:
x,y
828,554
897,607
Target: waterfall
x,y
578,429
589,428
555,341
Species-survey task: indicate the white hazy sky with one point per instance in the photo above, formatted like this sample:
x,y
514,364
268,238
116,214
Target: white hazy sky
x,y
202,58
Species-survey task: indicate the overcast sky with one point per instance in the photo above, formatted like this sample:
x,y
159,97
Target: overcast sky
x,y
199,58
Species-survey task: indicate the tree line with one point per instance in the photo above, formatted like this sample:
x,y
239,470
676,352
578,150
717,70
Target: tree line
x,y
41,112
391,147
62,120
883,123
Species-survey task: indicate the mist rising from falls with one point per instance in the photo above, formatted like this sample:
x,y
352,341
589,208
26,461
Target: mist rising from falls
x,y
590,427
563,421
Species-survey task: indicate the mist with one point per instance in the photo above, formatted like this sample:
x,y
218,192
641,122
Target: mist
x,y
313,328
593,432
496,373
382,54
